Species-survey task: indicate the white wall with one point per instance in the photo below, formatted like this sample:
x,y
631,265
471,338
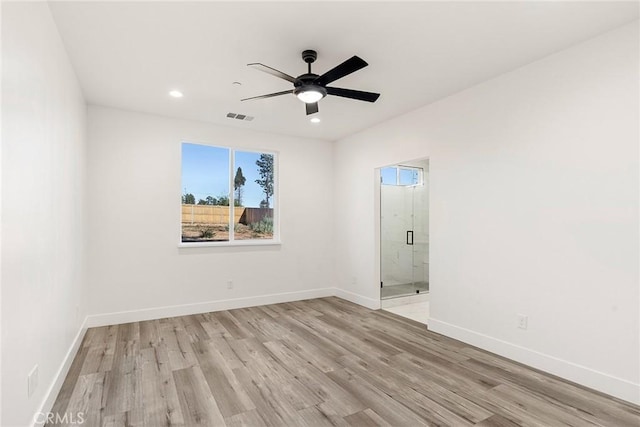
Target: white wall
x,y
134,211
534,210
43,177
0,223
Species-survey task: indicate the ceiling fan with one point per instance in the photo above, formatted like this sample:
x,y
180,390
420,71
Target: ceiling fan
x,y
311,88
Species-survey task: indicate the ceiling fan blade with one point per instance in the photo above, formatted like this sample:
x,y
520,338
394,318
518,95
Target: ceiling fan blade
x,y
270,95
312,108
347,67
272,71
353,94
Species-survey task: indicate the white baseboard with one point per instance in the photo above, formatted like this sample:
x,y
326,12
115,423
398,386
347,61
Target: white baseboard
x,y
202,307
373,304
587,377
52,393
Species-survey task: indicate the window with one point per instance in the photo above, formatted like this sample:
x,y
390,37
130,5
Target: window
x,y
401,175
228,195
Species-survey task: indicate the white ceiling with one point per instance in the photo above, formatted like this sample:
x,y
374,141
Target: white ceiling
x,y
130,54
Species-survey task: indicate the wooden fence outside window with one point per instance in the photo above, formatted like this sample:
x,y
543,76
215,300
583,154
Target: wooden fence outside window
x,y
219,215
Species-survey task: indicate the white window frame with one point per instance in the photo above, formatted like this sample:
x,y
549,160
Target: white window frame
x,y
275,240
398,168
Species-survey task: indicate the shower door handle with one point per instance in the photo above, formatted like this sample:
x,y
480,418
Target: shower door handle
x,y
409,237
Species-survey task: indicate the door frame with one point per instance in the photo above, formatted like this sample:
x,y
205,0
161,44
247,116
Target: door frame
x,y
377,202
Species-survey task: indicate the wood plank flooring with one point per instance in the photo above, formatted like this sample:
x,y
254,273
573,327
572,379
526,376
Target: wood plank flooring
x,y
319,362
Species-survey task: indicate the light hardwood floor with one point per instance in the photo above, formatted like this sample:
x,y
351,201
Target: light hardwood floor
x,y
317,362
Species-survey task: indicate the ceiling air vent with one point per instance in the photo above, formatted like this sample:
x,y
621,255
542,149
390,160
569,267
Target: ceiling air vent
x,y
240,117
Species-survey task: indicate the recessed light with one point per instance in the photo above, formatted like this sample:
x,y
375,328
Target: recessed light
x,y
315,120
176,94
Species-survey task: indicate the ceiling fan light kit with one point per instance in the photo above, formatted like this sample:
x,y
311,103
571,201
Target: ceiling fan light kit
x,y
311,88
310,94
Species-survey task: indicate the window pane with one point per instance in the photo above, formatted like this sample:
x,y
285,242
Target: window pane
x,y
205,197
253,193
388,176
409,176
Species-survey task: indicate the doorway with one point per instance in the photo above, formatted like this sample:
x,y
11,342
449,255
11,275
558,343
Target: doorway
x,y
404,230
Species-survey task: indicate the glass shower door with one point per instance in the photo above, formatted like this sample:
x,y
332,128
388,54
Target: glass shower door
x,y
396,250
404,233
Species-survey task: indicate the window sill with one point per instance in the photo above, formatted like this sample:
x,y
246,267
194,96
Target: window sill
x,y
229,244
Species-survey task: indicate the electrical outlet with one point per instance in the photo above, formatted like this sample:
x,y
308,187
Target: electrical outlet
x,y
229,284
523,321
32,381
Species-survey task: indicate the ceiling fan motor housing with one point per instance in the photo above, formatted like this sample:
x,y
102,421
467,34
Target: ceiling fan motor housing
x,y
305,79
